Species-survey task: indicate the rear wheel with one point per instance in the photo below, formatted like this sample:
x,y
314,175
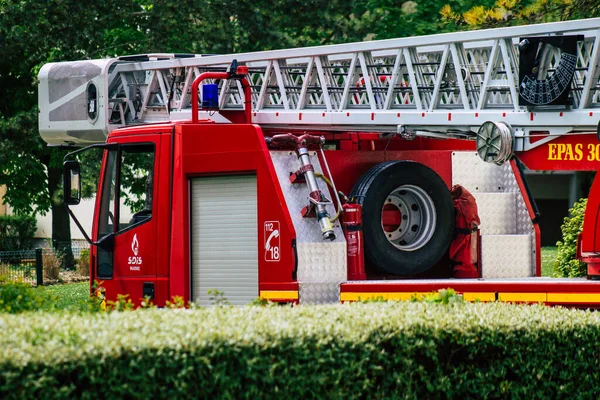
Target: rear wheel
x,y
408,218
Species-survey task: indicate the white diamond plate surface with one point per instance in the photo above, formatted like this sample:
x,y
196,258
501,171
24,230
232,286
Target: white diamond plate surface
x,y
479,177
476,175
319,292
506,256
318,260
497,213
321,261
523,224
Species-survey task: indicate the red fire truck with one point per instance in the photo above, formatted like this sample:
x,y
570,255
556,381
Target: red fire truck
x,y
368,170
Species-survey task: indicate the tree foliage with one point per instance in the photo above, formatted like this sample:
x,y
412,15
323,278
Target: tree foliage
x,y
31,34
518,12
22,155
16,232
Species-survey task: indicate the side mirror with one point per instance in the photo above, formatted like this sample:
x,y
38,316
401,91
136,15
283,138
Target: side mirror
x,y
71,182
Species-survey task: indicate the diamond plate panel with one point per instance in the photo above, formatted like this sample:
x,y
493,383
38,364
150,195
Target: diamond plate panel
x,y
523,220
476,175
506,256
524,224
321,262
319,292
497,213
480,177
317,260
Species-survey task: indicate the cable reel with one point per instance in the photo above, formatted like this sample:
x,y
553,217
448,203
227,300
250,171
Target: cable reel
x,y
495,142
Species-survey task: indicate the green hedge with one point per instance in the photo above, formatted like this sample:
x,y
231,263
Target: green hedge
x,y
376,350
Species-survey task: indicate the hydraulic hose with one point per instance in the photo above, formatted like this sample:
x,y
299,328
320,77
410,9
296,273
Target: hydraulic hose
x,y
330,184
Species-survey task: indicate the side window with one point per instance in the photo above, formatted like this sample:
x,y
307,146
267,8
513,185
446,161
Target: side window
x,y
106,224
136,179
107,205
128,177
92,102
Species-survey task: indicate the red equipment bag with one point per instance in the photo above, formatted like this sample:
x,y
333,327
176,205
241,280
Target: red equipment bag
x,y
464,249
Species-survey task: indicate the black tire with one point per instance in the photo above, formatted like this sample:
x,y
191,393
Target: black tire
x,y
423,234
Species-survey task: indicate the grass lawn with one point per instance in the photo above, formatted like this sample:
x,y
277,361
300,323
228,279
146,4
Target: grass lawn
x,y
70,295
549,254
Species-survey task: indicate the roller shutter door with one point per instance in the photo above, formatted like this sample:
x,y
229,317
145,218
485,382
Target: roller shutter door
x,y
224,238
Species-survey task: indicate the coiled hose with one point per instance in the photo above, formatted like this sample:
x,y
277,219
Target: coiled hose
x,y
495,142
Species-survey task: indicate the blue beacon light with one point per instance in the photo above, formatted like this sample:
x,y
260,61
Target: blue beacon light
x,y
210,96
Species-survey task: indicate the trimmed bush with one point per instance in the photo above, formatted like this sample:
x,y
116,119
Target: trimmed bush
x,y
16,232
51,264
411,350
18,297
566,264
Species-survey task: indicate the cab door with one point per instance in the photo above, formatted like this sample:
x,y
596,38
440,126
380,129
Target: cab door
x,y
127,218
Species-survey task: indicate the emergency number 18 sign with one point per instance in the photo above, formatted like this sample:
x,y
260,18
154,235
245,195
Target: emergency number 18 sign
x,y
272,243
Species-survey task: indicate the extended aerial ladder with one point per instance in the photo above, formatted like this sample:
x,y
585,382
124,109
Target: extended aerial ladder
x,y
442,84
532,91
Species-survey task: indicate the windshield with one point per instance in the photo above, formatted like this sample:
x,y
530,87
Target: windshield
x,y
128,176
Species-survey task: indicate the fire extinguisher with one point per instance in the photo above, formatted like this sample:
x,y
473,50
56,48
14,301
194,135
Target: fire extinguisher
x,y
352,223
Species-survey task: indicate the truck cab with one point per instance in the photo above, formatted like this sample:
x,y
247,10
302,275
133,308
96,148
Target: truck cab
x,y
193,226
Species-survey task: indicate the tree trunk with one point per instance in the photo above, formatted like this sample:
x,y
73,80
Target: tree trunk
x,y
61,226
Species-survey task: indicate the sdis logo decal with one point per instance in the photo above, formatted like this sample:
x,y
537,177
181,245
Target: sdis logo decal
x,y
135,261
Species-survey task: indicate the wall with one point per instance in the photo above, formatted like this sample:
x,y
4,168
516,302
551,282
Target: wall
x,y
84,212
2,206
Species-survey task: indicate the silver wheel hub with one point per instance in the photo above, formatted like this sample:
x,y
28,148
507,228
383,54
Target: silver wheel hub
x,y
417,218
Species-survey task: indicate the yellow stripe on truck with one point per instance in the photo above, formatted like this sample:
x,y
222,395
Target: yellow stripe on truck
x,y
353,296
479,296
561,298
522,297
279,294
583,298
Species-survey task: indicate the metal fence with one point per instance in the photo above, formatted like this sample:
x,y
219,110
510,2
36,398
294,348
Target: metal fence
x,y
40,265
76,247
